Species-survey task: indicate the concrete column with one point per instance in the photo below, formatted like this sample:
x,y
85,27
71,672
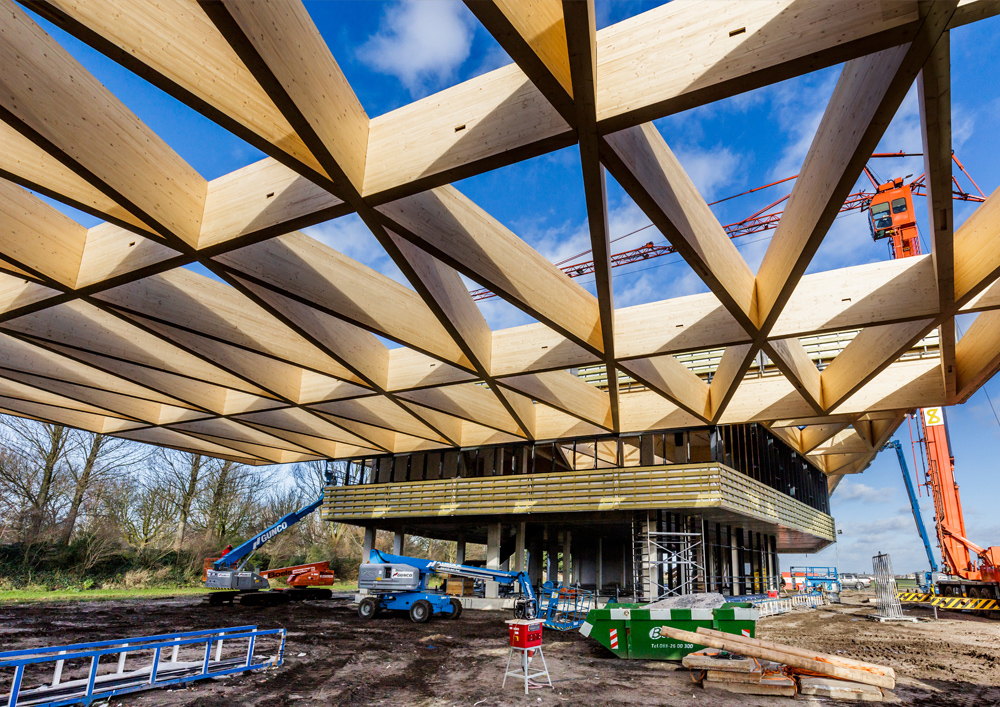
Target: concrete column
x,y
600,564
492,556
519,560
552,569
460,549
398,542
535,559
369,544
567,572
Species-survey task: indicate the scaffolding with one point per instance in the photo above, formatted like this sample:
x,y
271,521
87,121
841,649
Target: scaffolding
x,y
668,556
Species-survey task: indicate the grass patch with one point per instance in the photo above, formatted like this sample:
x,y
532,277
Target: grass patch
x,y
16,595
33,595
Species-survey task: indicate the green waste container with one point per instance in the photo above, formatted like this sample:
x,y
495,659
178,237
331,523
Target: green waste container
x,y
633,631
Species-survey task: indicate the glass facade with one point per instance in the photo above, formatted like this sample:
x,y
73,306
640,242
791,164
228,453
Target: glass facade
x,y
750,449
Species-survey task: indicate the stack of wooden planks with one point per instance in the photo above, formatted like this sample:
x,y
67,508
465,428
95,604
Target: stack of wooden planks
x,y
736,673
753,666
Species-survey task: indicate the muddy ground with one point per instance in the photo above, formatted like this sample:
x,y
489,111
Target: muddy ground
x,y
332,657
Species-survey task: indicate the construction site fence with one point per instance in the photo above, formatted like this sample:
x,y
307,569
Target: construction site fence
x,y
782,605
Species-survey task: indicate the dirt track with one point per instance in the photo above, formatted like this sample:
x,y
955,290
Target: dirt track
x,y
391,661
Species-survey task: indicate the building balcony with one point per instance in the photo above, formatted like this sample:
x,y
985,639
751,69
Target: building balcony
x,y
713,490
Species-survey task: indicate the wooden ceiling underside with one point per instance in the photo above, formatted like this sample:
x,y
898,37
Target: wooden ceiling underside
x,y
104,329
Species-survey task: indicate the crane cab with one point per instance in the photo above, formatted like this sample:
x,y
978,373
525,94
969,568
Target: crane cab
x,y
891,216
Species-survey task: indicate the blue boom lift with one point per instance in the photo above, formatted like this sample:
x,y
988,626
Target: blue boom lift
x,y
228,572
400,583
928,582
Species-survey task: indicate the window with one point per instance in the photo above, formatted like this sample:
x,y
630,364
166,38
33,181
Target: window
x,y
899,205
880,215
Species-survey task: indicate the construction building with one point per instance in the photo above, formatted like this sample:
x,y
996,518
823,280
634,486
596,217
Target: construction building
x,y
685,440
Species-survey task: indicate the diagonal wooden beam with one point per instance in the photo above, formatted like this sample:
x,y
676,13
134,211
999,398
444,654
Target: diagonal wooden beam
x,y
451,301
25,163
457,231
581,39
189,301
728,377
303,269
675,381
534,35
285,52
794,362
176,47
565,391
644,165
977,354
467,401
106,150
868,353
934,95
866,97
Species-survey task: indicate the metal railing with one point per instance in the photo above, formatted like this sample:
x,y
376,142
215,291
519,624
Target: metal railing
x,y
782,605
156,663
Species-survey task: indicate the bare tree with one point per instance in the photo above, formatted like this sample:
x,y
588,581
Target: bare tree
x,y
42,448
140,508
182,473
231,505
16,478
98,456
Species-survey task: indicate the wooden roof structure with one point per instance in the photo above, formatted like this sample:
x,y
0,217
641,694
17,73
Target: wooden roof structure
x,y
104,328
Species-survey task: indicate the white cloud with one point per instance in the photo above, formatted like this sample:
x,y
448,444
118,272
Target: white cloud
x,y
710,169
494,58
797,108
880,529
423,43
857,491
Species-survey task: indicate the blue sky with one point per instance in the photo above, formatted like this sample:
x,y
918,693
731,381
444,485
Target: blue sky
x,y
395,53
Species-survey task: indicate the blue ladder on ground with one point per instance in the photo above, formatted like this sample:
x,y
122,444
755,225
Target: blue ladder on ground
x,y
77,675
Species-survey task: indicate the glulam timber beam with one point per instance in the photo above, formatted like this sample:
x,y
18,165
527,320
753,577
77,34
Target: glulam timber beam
x,y
866,97
934,96
302,269
675,381
564,391
106,150
176,47
977,354
284,51
534,35
581,41
794,362
640,160
454,229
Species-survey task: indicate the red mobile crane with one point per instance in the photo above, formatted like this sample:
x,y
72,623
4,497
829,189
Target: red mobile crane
x,y
891,216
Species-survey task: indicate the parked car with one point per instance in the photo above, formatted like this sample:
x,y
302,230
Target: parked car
x,y
855,581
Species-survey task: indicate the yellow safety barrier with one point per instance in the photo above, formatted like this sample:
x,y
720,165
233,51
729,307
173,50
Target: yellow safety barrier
x,y
951,603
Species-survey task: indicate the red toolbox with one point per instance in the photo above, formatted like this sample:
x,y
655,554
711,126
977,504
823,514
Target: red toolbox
x,y
524,633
